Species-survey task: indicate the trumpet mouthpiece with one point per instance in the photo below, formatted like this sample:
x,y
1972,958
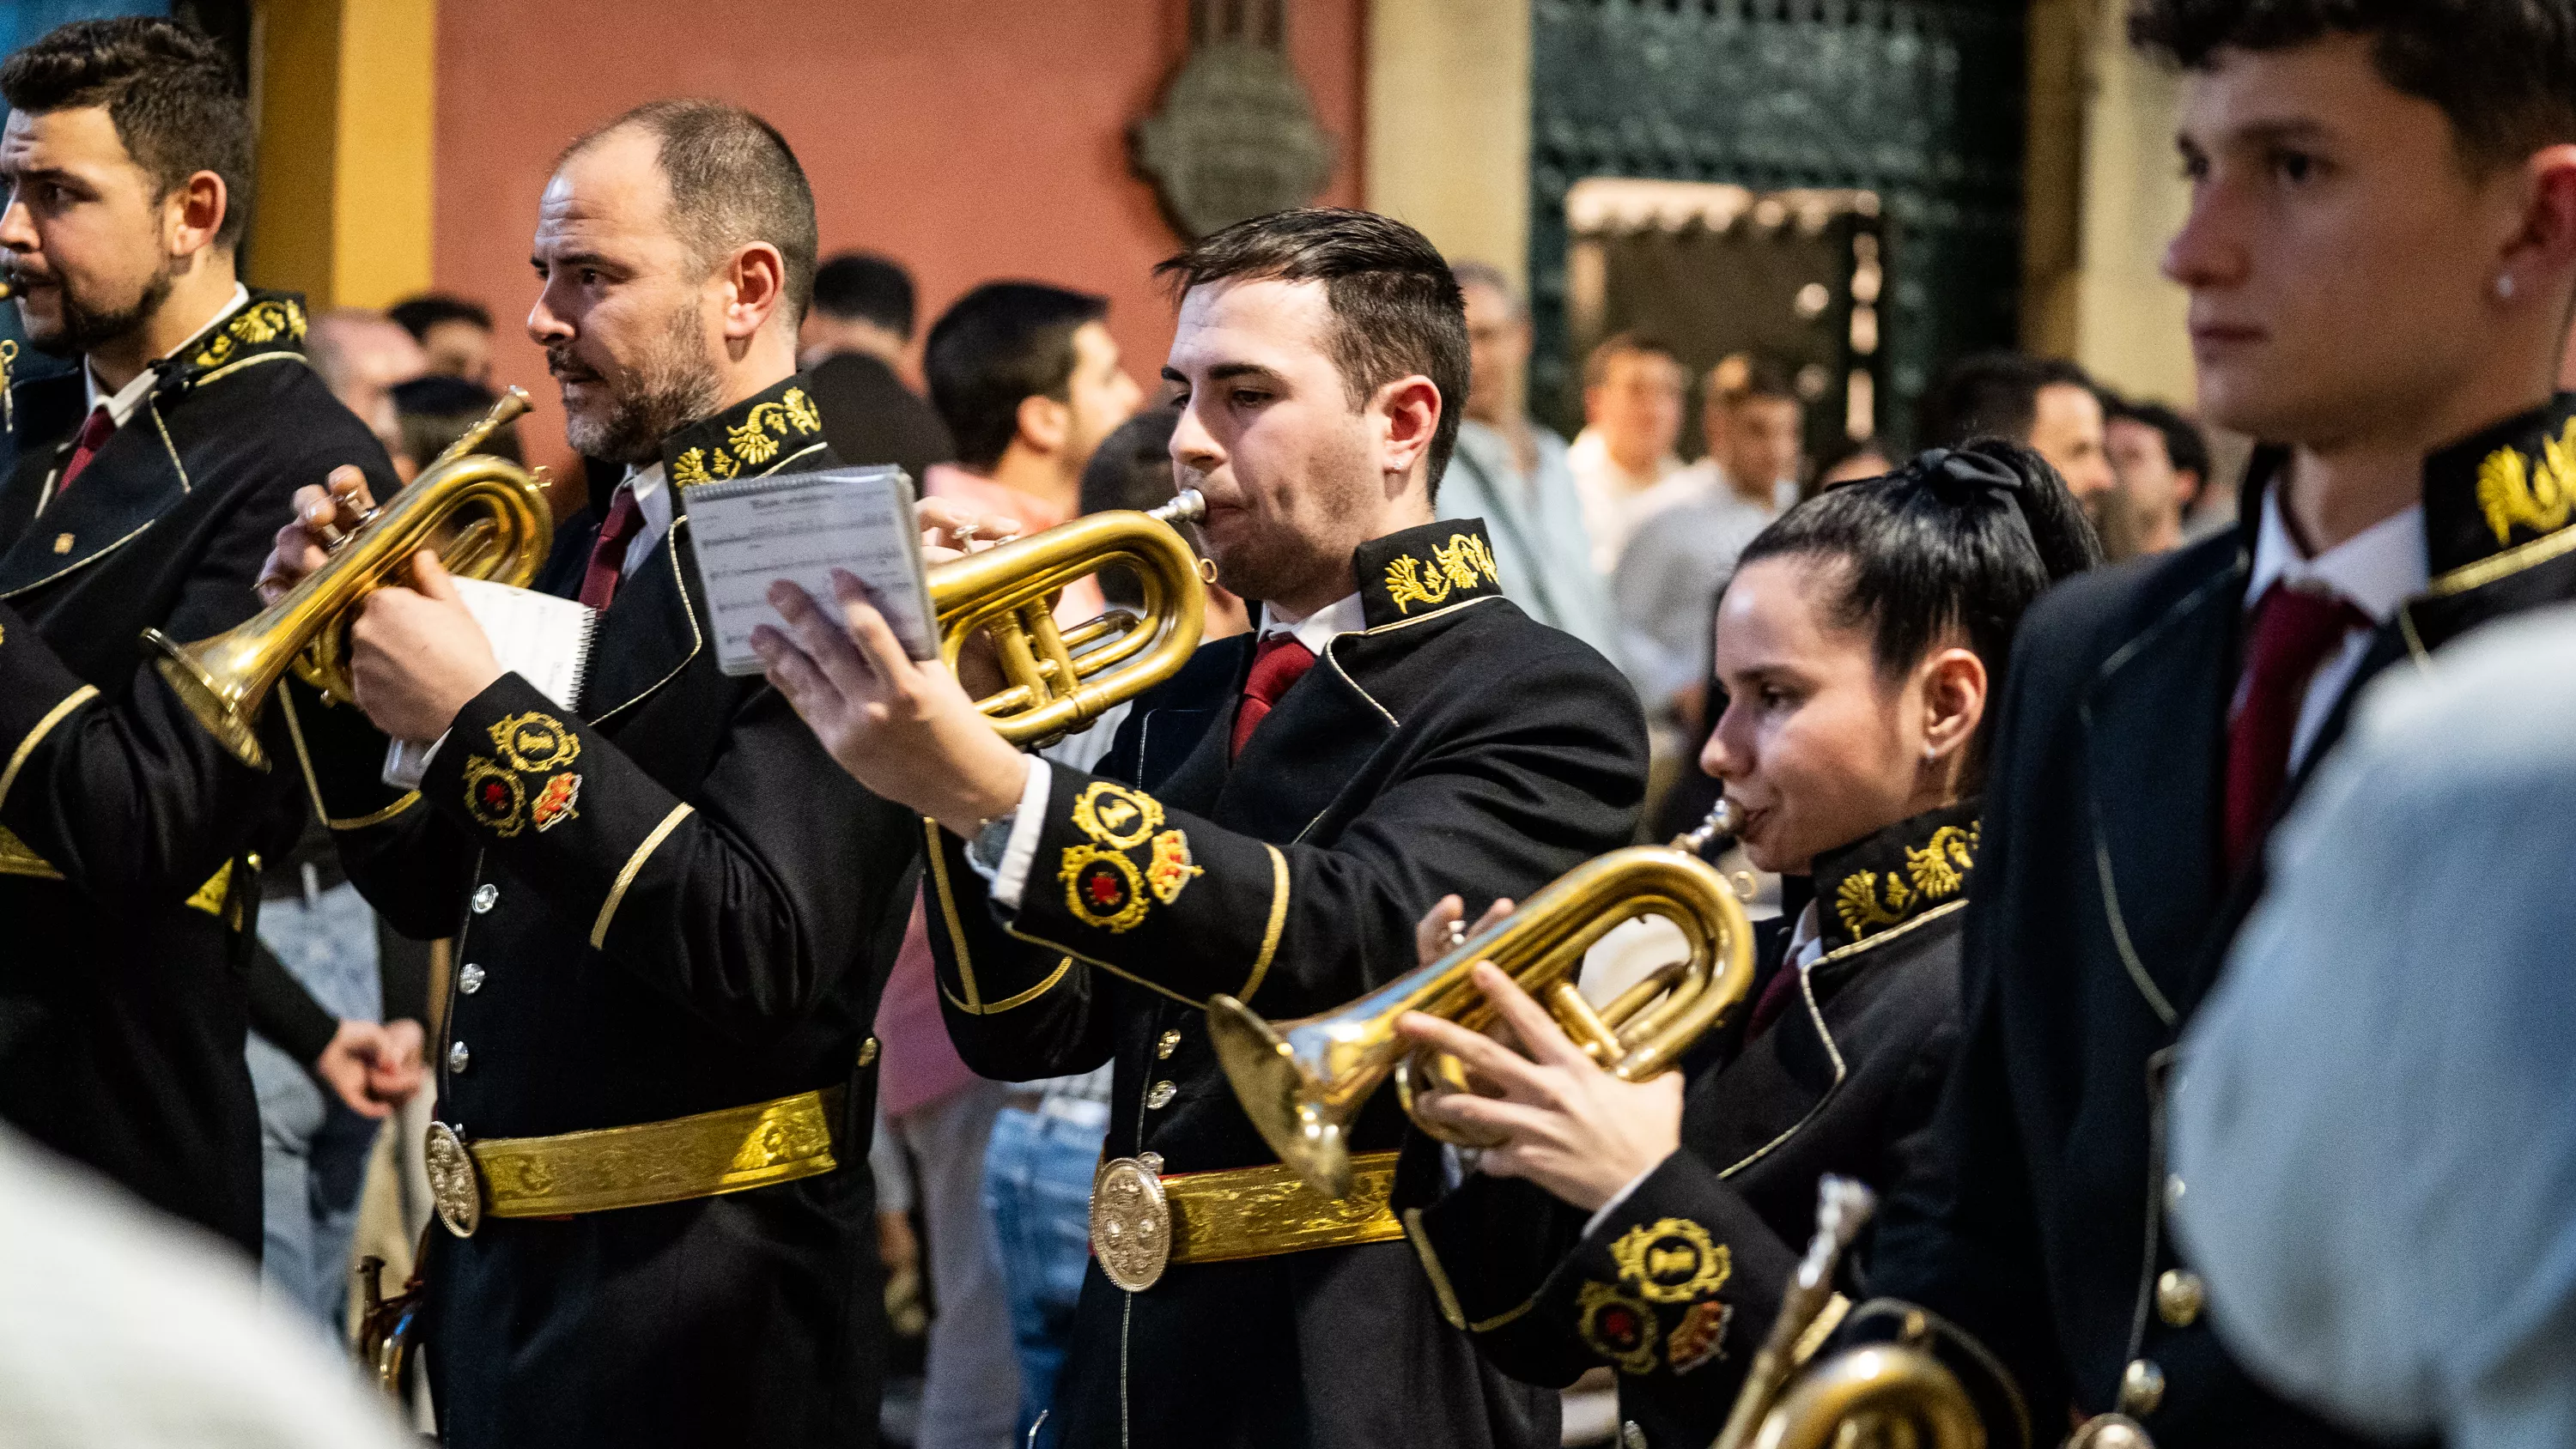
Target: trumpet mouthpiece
x,y
1723,822
1189,507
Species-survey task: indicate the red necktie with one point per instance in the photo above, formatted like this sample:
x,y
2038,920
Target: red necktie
x,y
93,436
1280,662
608,556
1777,993
2293,632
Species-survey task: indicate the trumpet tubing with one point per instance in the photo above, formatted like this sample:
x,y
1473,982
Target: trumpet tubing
x,y
1303,1082
485,517
1057,680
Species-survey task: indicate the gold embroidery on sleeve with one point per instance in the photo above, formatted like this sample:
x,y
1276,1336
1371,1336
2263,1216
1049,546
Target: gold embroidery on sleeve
x,y
1172,868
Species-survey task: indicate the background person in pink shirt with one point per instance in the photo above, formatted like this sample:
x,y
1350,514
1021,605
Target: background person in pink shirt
x,y
1029,382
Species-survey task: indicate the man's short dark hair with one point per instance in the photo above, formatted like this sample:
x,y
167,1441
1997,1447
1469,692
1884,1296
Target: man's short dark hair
x,y
1395,305
416,315
168,89
1596,363
734,181
2185,448
1000,345
865,287
1132,468
2504,73
1762,380
1991,394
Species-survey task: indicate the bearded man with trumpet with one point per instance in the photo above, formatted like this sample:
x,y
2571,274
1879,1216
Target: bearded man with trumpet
x,y
1268,825
672,913
1653,1225
141,491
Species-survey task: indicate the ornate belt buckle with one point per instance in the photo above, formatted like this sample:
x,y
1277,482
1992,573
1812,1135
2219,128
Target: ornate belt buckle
x,y
1131,1222
453,1182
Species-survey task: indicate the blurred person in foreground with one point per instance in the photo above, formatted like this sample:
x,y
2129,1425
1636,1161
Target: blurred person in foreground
x,y
2162,464
1269,824
142,489
671,910
2381,256
123,1330
362,356
1029,382
455,335
431,413
1512,472
2393,1070
1623,461
1656,1224
852,345
1670,574
2049,405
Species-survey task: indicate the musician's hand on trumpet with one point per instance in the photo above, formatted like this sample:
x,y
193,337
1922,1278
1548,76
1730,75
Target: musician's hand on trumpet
x,y
324,514
951,530
903,727
1568,1126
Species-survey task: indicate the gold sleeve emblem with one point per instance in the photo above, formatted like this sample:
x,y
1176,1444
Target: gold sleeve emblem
x,y
1116,816
532,743
1102,889
1673,1261
554,804
1700,1336
1617,1327
494,797
1172,868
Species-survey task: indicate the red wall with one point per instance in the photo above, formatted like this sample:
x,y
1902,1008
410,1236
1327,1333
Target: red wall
x,y
971,139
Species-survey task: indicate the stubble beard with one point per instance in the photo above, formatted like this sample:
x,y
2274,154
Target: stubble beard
x,y
85,327
671,385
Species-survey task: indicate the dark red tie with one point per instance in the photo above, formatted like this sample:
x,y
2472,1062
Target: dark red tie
x,y
1280,662
608,556
93,436
2293,632
1777,993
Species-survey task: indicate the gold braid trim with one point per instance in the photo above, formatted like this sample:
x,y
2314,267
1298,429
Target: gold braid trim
x,y
27,746
634,863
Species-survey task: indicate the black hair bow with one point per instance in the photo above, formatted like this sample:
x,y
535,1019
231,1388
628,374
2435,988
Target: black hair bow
x,y
1956,477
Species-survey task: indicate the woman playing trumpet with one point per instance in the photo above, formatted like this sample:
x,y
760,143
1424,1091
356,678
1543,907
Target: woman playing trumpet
x,y
1653,1226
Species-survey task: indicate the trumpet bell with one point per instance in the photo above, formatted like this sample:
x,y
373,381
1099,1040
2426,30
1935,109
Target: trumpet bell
x,y
222,682
1303,1083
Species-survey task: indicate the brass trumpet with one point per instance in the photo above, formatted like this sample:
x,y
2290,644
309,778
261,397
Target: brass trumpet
x,y
1303,1082
487,519
1057,681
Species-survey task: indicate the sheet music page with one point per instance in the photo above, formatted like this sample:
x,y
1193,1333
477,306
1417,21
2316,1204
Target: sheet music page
x,y
749,533
543,639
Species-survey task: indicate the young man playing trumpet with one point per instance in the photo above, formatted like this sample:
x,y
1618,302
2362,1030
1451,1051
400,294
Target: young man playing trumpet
x,y
1269,824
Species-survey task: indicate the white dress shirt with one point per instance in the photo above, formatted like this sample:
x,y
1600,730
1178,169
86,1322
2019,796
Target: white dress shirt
x,y
2375,570
1009,876
653,496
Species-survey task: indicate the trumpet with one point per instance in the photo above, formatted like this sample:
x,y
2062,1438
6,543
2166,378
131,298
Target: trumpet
x,y
1058,681
1303,1082
487,519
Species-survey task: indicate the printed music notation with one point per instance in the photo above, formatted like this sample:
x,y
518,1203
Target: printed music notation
x,y
751,532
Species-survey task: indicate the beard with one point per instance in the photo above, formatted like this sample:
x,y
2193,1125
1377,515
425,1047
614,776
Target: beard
x,y
87,323
671,384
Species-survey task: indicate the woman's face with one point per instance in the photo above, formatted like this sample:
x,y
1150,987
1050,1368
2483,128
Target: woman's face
x,y
1816,747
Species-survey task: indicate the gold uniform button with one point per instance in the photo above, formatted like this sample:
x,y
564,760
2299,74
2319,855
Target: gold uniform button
x,y
62,543
2142,1387
1159,1095
868,1052
470,980
1170,1043
484,896
2180,1295
458,1058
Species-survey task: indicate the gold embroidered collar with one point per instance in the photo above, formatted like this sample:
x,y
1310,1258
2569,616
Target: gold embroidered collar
x,y
2501,488
1422,570
267,322
753,436
1884,880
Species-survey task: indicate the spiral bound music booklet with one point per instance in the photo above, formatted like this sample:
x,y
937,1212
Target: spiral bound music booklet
x,y
751,532
542,639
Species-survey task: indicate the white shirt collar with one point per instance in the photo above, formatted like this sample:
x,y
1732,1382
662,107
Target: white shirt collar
x,y
129,397
653,496
1344,615
2375,570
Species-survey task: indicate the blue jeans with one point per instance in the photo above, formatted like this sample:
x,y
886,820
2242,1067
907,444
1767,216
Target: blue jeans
x,y
313,1149
1037,1187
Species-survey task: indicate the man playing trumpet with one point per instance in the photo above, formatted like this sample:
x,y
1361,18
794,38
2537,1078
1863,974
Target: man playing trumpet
x,y
1269,824
671,912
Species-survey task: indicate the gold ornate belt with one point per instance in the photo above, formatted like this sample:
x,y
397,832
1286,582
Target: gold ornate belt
x,y
705,1155
1142,1220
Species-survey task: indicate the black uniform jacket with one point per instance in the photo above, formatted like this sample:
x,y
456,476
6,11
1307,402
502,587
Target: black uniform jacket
x,y
129,837
669,903
1452,745
1678,1285
2102,915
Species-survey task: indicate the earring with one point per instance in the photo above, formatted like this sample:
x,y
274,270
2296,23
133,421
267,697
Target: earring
x,y
1931,752
2504,286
